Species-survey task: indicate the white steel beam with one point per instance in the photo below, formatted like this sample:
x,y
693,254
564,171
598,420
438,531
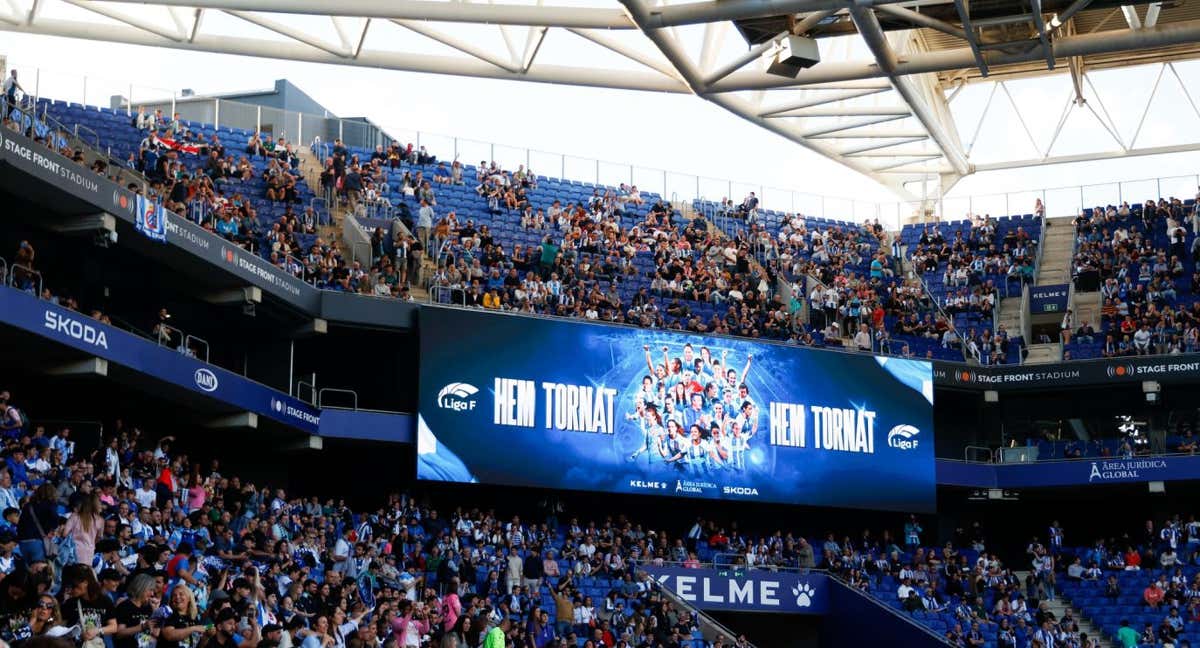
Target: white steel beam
x,y
851,125
820,100
435,10
740,61
710,48
694,13
872,34
143,25
845,111
458,44
607,42
674,54
362,38
1152,14
199,19
828,72
342,33
1131,17
880,134
177,17
866,149
431,64
284,30
1088,157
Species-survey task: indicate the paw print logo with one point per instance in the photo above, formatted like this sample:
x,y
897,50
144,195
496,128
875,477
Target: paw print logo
x,y
803,593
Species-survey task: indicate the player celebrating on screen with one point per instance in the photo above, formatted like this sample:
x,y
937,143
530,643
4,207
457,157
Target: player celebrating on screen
x,y
738,443
652,430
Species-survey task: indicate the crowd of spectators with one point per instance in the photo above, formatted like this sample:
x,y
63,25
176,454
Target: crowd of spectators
x,y
1140,260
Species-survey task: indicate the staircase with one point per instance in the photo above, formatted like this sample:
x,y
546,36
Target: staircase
x,y
1044,353
1059,607
1010,315
1058,241
1087,308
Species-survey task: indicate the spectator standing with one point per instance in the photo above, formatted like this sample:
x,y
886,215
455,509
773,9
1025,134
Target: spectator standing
x,y
85,526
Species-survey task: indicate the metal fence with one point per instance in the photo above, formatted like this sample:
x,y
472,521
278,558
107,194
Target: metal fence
x,y
302,128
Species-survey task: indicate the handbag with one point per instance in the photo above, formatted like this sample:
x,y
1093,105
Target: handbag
x,y
94,642
48,545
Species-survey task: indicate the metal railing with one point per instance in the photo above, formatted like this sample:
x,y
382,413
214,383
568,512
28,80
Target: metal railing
x,y
95,135
1026,320
190,341
312,390
25,270
937,306
1032,453
710,628
342,392
971,450
123,95
920,627
438,293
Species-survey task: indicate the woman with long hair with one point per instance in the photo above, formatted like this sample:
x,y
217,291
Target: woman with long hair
x,y
37,524
44,618
458,636
86,605
182,628
84,526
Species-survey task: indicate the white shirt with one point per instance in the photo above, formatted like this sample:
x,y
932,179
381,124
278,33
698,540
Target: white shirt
x,y
145,496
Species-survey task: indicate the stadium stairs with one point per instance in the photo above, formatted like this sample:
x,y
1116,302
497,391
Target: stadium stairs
x,y
1059,607
1055,268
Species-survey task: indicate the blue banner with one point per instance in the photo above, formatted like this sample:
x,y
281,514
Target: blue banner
x,y
558,404
1051,298
43,318
756,590
1077,472
368,426
151,219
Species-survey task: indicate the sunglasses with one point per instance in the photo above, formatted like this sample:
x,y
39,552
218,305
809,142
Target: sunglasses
x,y
45,606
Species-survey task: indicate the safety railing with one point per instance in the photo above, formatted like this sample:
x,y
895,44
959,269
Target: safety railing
x,y
710,628
324,128
350,393
920,627
937,305
312,390
94,134
192,343
451,295
3,271
21,274
1026,320
972,453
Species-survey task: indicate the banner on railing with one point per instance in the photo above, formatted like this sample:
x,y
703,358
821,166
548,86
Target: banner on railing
x,y
52,322
1080,373
1051,298
757,590
1077,472
151,219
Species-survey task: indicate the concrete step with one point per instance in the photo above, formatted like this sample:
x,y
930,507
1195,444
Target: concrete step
x,y
1044,353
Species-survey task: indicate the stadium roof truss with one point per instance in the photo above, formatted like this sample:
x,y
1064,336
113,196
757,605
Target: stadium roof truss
x,y
878,102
